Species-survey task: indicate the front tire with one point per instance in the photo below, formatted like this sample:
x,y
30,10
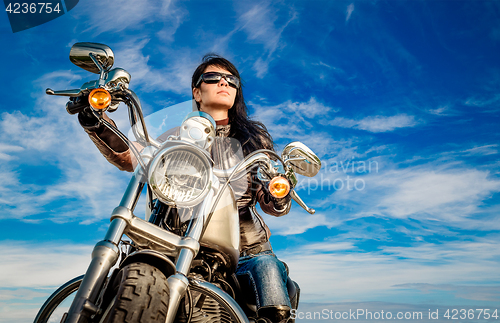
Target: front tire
x,y
142,295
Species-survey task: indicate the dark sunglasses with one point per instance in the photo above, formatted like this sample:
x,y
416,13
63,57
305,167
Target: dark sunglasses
x,y
215,77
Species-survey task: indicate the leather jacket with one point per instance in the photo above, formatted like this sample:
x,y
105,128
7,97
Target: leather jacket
x,y
253,229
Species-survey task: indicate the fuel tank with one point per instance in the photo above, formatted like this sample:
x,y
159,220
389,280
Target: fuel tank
x,y
223,231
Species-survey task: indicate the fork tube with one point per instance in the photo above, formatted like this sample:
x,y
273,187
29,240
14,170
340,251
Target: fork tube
x,y
178,283
104,256
134,188
186,256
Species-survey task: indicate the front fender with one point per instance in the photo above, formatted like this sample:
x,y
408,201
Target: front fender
x,y
153,258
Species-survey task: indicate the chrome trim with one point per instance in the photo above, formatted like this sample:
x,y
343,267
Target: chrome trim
x,y
134,189
117,76
57,298
80,55
177,285
102,69
146,234
135,112
70,93
258,158
115,231
104,256
301,159
85,88
196,151
186,256
297,199
222,297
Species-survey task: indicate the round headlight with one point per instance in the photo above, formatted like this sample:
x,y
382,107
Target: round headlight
x,y
180,175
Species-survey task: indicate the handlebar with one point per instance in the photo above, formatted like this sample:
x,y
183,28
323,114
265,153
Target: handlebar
x,y
77,105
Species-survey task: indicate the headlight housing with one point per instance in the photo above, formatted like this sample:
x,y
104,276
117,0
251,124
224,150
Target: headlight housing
x,y
181,175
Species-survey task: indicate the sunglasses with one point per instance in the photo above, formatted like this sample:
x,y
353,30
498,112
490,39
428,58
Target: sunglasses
x,y
215,77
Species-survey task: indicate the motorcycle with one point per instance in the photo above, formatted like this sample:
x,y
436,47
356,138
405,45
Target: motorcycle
x,y
179,263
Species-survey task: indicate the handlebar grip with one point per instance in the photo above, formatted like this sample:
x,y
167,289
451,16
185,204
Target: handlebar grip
x,y
77,105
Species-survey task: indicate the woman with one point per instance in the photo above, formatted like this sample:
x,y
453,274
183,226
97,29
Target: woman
x,y
216,88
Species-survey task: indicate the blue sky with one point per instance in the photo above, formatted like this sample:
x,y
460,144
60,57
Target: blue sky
x,y
399,99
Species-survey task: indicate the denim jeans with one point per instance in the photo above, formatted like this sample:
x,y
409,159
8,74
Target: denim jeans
x,y
265,276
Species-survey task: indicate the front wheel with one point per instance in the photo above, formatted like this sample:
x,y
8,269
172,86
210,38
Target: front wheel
x,y
142,295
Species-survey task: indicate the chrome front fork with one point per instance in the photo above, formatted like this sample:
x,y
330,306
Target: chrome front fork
x,y
179,283
104,256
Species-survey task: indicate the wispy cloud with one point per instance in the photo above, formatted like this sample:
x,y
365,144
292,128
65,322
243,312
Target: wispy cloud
x,y
5,149
483,102
481,150
361,276
175,76
295,116
31,265
349,11
375,123
446,195
77,170
260,22
102,17
474,292
299,221
296,120
32,271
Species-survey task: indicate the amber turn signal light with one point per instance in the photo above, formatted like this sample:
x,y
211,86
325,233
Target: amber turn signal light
x,y
279,187
99,99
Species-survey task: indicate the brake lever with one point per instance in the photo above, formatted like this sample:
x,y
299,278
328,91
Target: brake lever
x,y
70,93
297,199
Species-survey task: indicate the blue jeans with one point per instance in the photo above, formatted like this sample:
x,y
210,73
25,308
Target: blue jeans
x,y
266,276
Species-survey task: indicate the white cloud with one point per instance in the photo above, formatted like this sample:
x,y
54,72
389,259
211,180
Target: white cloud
x,y
21,293
436,189
5,148
175,76
376,123
295,120
364,276
481,150
55,139
443,195
290,115
473,292
32,265
349,11
483,102
32,271
441,111
298,221
103,16
260,23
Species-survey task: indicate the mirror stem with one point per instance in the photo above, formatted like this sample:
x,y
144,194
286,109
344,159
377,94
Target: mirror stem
x,y
102,71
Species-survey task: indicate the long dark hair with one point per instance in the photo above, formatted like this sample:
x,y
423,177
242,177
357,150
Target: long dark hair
x,y
252,134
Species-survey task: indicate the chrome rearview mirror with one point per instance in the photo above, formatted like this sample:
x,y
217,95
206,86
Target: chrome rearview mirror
x,y
90,55
301,159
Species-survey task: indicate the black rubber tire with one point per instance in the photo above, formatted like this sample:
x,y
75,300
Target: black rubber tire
x,y
142,295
